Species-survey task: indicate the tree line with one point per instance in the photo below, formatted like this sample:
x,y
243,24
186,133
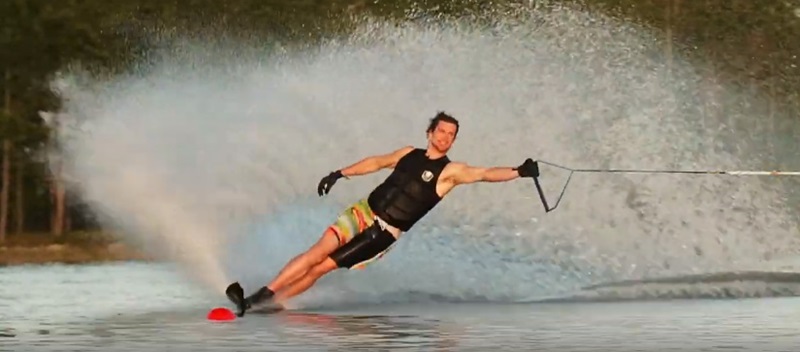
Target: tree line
x,y
750,43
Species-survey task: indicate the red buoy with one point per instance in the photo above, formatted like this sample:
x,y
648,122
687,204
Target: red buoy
x,y
221,314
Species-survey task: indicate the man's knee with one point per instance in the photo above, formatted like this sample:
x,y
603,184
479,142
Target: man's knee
x,y
312,259
324,267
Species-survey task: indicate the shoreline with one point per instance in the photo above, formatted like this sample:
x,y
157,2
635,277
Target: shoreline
x,y
80,248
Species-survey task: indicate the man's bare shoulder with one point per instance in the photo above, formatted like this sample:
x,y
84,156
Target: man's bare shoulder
x,y
456,165
454,168
403,150
390,159
451,176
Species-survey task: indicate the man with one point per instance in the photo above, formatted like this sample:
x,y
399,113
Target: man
x,y
365,231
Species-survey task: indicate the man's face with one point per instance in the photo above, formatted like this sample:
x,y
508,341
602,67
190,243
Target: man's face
x,y
443,136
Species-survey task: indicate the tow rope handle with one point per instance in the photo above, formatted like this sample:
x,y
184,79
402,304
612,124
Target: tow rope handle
x,y
547,207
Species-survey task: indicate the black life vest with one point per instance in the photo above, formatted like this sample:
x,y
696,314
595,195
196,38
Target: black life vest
x,y
409,192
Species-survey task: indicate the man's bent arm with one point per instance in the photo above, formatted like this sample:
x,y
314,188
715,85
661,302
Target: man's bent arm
x,y
374,163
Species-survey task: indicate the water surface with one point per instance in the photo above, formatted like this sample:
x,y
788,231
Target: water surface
x,y
138,306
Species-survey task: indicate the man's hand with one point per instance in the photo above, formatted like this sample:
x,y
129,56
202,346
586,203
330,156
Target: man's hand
x,y
327,182
529,168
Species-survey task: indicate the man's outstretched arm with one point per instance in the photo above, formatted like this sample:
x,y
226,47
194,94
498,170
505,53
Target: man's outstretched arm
x,y
465,174
362,167
374,163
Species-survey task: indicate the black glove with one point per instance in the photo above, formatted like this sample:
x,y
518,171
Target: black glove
x,y
327,182
529,168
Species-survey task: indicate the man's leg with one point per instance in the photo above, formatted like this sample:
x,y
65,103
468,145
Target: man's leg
x,y
365,247
301,264
295,269
351,221
299,286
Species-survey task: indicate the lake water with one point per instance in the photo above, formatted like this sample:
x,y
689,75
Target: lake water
x,y
140,306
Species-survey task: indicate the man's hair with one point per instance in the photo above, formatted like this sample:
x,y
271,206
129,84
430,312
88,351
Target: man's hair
x,y
442,116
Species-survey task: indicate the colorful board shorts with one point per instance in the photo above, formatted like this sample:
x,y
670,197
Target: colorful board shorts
x,y
372,242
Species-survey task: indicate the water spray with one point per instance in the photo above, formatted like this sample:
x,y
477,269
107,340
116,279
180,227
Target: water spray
x,y
210,157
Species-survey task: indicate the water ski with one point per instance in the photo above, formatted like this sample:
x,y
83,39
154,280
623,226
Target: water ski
x,y
266,309
235,294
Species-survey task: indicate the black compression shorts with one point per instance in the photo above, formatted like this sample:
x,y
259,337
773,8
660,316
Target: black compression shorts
x,y
365,246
